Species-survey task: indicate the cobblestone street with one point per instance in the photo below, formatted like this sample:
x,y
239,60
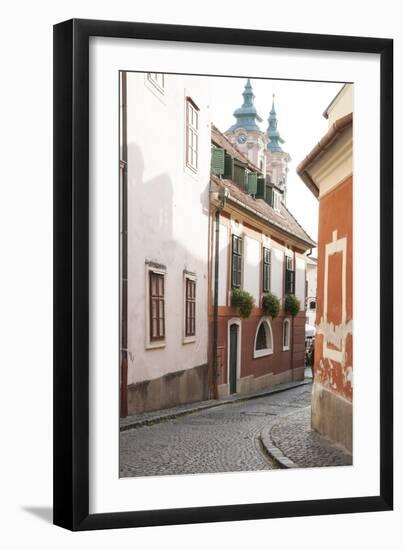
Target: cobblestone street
x,y
225,438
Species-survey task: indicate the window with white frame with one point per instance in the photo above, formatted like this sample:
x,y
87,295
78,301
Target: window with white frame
x,y
266,269
157,80
286,334
263,339
276,200
190,307
157,306
289,279
192,135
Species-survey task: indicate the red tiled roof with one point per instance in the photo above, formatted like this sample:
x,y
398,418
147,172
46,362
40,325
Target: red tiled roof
x,y
283,220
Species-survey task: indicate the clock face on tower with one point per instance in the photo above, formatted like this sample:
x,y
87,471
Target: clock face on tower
x,y
241,138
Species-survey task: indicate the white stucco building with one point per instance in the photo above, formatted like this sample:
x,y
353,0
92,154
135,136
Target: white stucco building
x,y
311,284
165,171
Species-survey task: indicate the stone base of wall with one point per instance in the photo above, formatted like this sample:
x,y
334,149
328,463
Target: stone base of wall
x,y
332,416
251,384
168,391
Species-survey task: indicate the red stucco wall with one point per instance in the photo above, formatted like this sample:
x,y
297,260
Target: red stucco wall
x,y
335,213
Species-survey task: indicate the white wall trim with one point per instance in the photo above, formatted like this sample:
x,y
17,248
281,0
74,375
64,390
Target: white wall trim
x,y
192,277
149,267
267,351
238,322
286,321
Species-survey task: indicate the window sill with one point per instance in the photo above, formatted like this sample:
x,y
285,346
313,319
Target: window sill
x,y
286,348
262,353
189,339
156,345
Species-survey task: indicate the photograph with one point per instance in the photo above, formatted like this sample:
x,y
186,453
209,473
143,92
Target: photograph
x,y
235,274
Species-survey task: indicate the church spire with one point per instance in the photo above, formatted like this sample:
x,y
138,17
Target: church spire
x,y
272,133
246,115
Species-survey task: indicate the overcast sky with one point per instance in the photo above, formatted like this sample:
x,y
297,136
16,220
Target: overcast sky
x,y
299,107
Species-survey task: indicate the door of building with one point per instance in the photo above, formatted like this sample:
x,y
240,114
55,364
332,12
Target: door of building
x,y
233,357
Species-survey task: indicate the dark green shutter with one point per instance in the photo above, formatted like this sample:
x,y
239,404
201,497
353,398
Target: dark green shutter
x,y
239,176
252,183
228,167
261,188
269,193
217,161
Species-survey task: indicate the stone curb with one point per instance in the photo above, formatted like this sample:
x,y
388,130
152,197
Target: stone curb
x,y
272,450
175,414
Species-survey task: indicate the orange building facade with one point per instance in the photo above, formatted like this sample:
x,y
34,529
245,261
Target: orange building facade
x,y
327,171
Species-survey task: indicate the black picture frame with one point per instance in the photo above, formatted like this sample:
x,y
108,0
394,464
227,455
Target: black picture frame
x,y
71,273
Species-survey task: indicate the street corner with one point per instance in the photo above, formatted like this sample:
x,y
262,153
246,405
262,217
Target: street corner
x,y
290,441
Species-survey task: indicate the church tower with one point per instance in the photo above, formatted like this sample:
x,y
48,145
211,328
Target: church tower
x,y
245,134
276,159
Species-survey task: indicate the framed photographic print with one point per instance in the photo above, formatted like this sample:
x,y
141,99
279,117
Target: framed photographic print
x,y
223,300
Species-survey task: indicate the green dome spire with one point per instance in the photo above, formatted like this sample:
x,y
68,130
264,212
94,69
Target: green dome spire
x,y
246,115
272,133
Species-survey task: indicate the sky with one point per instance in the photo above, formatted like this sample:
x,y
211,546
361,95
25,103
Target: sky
x,y
300,106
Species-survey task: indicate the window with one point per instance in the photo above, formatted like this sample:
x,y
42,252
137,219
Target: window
x,y
286,335
157,80
276,200
190,307
312,305
192,135
263,339
157,306
236,271
266,269
289,276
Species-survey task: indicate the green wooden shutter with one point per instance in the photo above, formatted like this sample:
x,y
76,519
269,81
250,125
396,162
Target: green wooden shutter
x,y
228,167
217,161
261,188
239,176
252,183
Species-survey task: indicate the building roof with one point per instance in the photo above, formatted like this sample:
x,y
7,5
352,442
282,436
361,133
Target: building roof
x,y
283,221
334,132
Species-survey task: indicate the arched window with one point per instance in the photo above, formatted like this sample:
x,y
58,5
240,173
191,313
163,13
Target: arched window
x,y
263,339
286,334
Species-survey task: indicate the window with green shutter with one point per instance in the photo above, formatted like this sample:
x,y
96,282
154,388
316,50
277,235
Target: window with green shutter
x,y
228,167
252,183
239,176
261,188
266,269
236,264
217,161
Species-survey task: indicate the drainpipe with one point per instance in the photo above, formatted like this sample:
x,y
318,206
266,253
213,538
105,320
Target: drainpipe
x,y
123,248
223,195
215,304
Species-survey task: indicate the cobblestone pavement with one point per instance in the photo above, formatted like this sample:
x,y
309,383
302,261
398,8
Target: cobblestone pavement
x,y
292,434
222,439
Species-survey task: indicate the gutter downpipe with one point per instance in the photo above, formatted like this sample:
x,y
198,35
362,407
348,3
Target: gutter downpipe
x,y
123,252
215,304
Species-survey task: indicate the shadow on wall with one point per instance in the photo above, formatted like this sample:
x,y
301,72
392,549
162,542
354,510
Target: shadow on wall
x,y
156,233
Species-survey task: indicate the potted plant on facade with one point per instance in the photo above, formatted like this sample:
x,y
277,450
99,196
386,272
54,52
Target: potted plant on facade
x,y
271,305
243,301
291,305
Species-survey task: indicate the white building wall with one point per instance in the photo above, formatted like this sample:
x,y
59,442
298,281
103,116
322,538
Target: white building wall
x,y
300,278
311,277
252,269
277,272
167,219
223,265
